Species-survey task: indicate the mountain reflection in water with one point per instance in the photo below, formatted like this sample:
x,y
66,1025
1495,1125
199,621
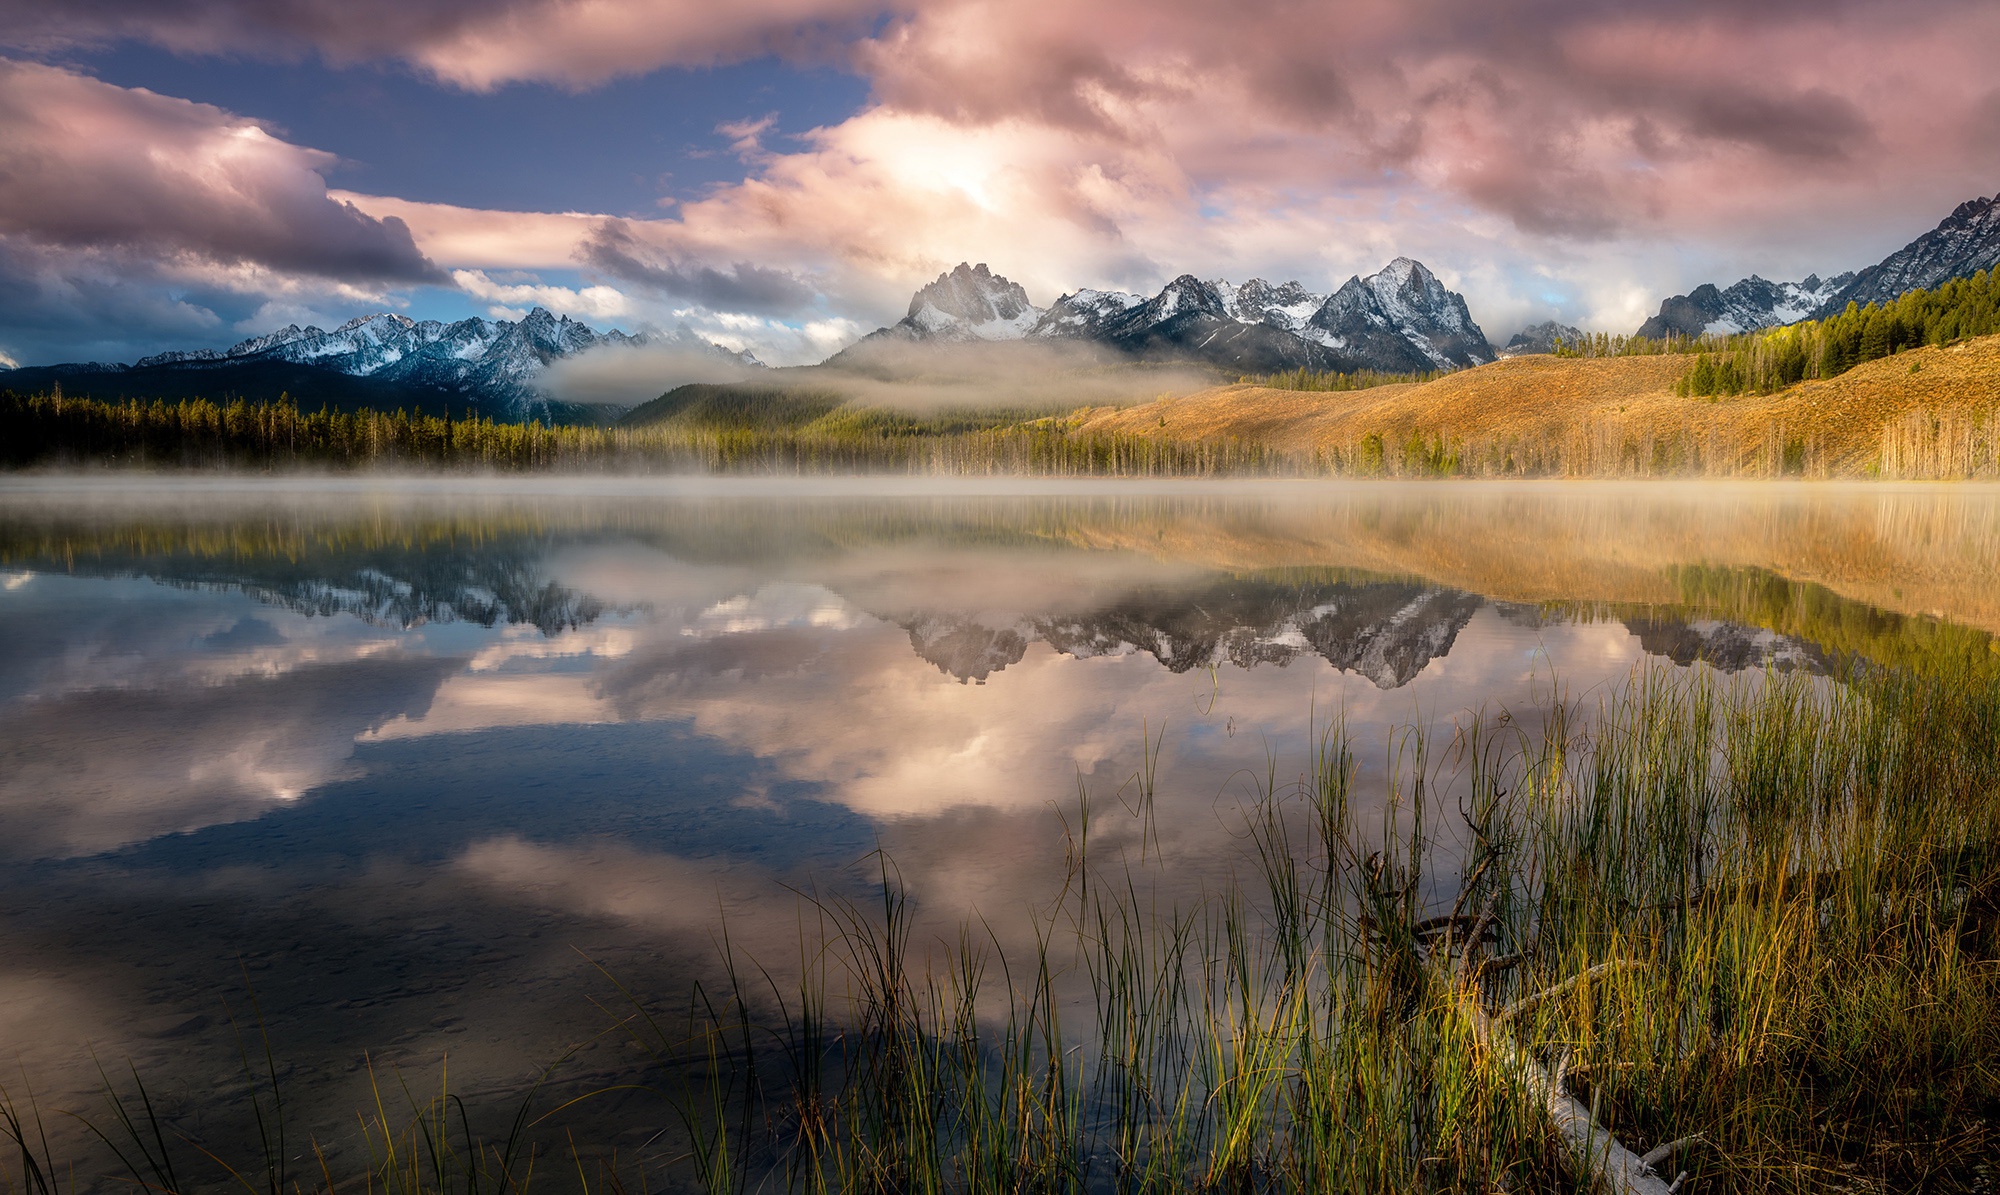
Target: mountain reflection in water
x,y
392,754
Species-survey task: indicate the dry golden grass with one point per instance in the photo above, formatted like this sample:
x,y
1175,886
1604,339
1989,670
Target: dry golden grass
x,y
1925,413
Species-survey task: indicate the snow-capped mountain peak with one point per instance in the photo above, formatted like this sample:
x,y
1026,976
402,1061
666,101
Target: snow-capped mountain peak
x,y
969,303
1404,317
1186,294
495,363
1541,338
1400,319
1288,306
1962,244
1084,313
1744,306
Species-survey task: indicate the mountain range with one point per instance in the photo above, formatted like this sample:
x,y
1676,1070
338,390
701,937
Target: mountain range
x,y
1399,320
490,367
1962,244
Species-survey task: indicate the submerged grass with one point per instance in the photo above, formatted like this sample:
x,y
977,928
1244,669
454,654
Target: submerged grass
x,y
1753,927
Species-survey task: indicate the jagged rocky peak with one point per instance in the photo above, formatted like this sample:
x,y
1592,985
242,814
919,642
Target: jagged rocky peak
x,y
1288,306
1540,338
1963,243
496,364
1399,319
562,336
971,302
1185,295
1084,313
1744,306
1403,302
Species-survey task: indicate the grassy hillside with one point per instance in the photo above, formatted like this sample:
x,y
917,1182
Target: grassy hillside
x,y
1926,412
735,407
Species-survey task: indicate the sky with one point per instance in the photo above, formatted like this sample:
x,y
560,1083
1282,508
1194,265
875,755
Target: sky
x,y
780,175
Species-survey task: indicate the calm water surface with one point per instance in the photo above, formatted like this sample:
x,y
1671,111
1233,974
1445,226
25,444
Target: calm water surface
x,y
424,766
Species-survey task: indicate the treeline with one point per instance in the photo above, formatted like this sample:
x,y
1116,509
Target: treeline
x,y
1308,379
1604,344
1768,361
51,430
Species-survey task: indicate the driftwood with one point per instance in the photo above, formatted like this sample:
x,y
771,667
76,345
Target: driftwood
x,y
1613,1166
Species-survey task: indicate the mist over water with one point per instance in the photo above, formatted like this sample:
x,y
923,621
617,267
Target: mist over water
x,y
412,760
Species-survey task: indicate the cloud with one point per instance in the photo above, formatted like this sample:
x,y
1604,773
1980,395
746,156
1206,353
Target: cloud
x,y
131,221
612,248
476,44
87,165
511,300
1548,157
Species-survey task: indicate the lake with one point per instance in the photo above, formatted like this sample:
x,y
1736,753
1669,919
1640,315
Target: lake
x,y
418,770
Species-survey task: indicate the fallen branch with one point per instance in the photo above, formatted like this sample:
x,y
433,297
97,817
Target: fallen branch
x,y
1611,1164
1527,1002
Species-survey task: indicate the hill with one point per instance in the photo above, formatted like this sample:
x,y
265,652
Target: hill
x,y
1923,412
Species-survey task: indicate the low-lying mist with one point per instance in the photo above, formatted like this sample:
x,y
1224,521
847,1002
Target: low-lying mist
x,y
626,375
916,378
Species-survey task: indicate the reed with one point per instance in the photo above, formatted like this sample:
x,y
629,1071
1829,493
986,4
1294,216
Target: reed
x,y
1759,915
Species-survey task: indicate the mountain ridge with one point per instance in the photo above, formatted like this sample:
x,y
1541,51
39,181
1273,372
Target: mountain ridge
x,y
491,366
1962,244
1400,319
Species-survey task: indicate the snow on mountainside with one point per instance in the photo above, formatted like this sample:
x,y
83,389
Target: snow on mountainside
x,y
493,364
966,304
1085,313
1963,243
1746,306
1400,319
1288,306
1405,303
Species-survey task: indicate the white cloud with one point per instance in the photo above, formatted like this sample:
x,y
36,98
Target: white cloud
x,y
511,300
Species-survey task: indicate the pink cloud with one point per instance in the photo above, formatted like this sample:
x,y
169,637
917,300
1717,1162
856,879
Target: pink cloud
x,y
1522,147
91,167
477,44
1569,117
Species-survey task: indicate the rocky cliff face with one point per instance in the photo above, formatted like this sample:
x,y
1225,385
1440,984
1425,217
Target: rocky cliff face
x,y
1963,243
1401,320
968,303
1745,306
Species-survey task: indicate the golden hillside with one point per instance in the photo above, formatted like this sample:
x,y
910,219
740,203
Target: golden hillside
x,y
1924,413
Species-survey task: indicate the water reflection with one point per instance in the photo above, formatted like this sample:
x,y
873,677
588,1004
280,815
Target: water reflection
x,y
412,760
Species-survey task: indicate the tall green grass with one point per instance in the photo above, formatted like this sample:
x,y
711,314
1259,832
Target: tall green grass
x,y
1764,914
